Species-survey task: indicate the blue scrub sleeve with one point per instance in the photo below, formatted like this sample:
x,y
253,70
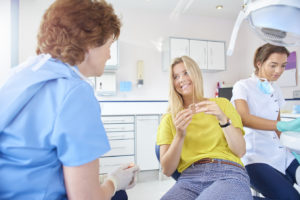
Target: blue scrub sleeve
x,y
79,135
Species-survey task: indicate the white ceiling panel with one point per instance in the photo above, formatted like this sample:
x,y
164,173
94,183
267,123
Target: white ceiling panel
x,y
207,8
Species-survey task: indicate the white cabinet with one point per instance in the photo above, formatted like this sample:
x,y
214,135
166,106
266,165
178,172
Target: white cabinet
x,y
209,55
146,130
179,47
198,52
121,134
132,138
216,55
113,62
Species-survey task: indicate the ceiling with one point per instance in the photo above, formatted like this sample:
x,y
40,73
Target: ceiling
x,y
176,8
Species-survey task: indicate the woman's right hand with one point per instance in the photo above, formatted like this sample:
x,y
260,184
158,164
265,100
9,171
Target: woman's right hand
x,y
293,125
182,120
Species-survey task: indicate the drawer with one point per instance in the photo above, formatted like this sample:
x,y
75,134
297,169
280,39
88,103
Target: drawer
x,y
110,163
117,119
120,135
121,147
118,127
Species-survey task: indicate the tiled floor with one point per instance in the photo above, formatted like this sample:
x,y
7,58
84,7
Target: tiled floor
x,y
151,189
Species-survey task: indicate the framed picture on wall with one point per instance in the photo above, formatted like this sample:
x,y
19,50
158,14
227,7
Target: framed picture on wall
x,y
289,76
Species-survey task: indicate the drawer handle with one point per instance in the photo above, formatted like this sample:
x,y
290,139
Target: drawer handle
x,y
118,148
117,121
117,128
114,121
147,119
117,136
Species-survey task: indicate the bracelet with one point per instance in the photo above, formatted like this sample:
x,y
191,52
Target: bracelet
x,y
225,125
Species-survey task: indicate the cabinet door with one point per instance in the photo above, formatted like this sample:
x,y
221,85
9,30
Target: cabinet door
x,y
216,55
198,52
146,129
179,47
113,62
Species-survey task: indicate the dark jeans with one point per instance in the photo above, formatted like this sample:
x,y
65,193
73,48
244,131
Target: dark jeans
x,y
273,184
120,195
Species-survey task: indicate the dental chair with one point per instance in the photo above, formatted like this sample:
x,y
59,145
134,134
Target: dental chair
x,y
176,174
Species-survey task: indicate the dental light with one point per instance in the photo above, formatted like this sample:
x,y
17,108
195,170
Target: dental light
x,y
275,21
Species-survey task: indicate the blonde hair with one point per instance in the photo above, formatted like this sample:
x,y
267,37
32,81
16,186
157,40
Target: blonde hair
x,y
175,99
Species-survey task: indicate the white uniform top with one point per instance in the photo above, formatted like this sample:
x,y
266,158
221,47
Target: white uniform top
x,y
262,146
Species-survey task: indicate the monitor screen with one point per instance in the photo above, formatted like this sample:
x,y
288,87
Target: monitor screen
x,y
225,92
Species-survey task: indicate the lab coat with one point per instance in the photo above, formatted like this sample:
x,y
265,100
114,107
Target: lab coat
x,y
262,146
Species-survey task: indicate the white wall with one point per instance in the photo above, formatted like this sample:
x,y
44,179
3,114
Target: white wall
x,y
5,39
141,34
31,12
253,42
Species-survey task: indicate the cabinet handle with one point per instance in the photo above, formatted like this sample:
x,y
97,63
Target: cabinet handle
x,y
118,147
147,119
211,56
205,57
113,129
117,137
114,121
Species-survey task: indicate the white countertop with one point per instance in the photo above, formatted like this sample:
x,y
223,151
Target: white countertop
x,y
133,107
289,115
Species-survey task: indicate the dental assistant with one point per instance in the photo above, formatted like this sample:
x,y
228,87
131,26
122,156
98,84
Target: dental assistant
x,y
51,133
271,167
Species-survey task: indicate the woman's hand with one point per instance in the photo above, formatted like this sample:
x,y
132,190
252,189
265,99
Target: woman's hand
x,y
211,107
233,135
182,120
170,154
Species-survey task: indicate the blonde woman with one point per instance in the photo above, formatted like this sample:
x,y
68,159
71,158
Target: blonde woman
x,y
202,138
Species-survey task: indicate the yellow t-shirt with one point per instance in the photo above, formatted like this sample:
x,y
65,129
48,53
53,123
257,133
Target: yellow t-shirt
x,y
204,137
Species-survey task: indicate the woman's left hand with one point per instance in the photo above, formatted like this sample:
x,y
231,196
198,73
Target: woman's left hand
x,y
212,108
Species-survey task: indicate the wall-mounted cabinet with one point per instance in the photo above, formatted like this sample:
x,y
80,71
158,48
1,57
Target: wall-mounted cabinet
x,y
178,47
209,55
113,62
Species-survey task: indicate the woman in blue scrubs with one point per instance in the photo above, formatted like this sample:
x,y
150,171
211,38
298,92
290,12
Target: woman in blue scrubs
x,y
51,134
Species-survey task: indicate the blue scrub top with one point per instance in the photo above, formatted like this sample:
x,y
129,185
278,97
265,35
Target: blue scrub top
x,y
48,118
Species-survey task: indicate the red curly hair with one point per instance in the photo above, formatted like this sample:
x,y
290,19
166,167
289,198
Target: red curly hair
x,y
70,27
